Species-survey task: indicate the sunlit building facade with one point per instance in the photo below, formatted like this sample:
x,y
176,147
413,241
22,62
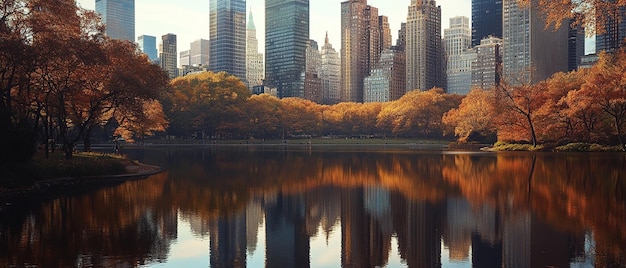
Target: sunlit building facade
x,y
168,54
458,39
228,37
330,73
119,18
286,38
487,67
425,58
364,35
254,60
387,80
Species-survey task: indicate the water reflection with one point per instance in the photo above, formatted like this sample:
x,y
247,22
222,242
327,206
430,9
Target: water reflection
x,y
425,208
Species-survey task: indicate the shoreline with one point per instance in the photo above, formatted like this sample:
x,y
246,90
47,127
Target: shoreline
x,y
134,171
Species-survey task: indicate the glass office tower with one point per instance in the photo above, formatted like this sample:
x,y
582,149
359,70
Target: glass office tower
x,y
286,38
486,20
119,18
228,37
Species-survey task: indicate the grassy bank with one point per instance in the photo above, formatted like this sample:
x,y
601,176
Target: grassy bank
x,y
24,175
570,147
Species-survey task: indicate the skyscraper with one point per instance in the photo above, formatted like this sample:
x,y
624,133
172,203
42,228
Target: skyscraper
x,y
361,45
228,37
199,53
387,80
254,60
286,38
459,68
531,53
312,80
425,61
147,45
487,67
119,18
486,20
615,31
330,73
168,54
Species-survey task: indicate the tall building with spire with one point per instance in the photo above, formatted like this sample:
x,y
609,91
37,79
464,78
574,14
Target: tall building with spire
x,y
425,60
119,18
168,54
254,60
330,73
228,37
286,39
364,35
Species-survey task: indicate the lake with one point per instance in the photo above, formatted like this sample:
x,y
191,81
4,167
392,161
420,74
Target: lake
x,y
333,206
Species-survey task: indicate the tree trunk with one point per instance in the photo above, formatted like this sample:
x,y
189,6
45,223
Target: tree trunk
x,y
618,127
533,135
87,140
69,150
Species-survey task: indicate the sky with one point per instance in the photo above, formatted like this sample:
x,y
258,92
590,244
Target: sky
x,y
189,19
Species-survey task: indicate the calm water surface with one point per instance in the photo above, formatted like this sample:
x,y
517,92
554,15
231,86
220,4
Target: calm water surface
x,y
331,207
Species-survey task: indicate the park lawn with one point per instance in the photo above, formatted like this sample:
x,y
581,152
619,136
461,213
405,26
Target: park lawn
x,y
24,175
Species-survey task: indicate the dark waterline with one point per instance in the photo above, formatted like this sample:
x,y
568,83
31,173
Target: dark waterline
x,y
315,206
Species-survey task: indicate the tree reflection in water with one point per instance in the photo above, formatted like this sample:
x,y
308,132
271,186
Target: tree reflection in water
x,y
491,209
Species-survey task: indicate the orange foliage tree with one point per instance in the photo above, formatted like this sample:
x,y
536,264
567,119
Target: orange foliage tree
x,y
516,107
474,119
581,12
206,103
418,113
605,89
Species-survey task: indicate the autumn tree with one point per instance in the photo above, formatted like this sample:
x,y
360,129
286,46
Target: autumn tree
x,y
17,60
299,117
605,88
553,121
418,113
474,119
516,106
207,103
262,116
586,13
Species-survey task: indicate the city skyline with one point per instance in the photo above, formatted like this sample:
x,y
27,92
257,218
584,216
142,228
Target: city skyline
x,y
188,18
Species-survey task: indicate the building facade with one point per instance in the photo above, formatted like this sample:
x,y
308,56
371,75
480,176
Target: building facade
x,y
531,53
199,52
168,54
615,32
119,18
425,59
312,79
228,37
458,40
254,60
486,20
363,37
183,58
147,45
330,73
487,67
286,38
387,80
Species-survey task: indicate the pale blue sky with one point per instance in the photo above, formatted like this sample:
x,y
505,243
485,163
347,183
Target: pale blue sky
x,y
189,19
